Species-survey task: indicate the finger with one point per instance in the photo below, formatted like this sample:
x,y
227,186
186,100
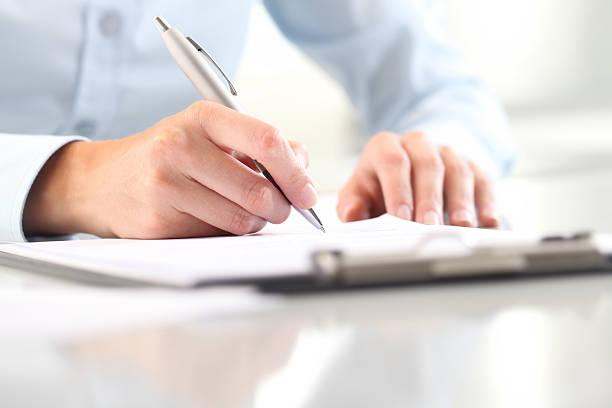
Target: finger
x,y
458,188
224,174
244,159
299,149
259,141
301,152
187,226
427,176
392,167
208,206
360,197
484,192
192,227
354,208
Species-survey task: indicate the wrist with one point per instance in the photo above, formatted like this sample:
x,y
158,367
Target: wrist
x,y
57,201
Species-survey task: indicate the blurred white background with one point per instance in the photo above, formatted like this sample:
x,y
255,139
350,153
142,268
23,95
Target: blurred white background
x,y
549,61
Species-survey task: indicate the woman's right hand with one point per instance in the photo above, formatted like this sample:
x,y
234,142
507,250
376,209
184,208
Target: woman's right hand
x,y
187,176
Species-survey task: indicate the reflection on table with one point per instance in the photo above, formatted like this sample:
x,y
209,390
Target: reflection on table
x,y
528,343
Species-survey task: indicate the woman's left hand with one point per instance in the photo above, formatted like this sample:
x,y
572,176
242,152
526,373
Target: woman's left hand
x,y
410,177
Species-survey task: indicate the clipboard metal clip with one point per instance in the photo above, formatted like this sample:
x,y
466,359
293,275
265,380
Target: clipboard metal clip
x,y
549,255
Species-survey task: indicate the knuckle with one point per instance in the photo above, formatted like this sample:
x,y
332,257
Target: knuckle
x,y
169,141
431,163
300,148
154,225
180,140
305,159
415,134
393,157
159,147
202,111
155,184
201,107
283,215
243,223
297,178
486,203
433,204
268,137
384,136
446,150
459,203
257,195
381,138
155,178
459,168
296,145
162,153
258,226
156,192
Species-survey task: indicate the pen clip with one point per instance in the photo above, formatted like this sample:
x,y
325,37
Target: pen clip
x,y
202,51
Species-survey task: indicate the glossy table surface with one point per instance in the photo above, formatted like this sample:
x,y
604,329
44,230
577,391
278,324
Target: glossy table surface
x,y
544,342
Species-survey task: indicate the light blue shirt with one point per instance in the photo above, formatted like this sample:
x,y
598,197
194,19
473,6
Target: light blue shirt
x,y
77,69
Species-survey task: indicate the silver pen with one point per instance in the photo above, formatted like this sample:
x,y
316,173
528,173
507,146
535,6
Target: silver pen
x,y
190,57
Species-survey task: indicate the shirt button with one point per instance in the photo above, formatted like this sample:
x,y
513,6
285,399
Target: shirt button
x,y
110,23
85,127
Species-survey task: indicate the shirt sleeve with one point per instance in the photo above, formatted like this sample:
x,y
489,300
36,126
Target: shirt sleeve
x,y
21,159
399,72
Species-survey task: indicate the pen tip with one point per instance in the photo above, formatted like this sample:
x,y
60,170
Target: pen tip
x,y
322,229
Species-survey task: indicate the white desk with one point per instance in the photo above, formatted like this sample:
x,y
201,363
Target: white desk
x,y
523,343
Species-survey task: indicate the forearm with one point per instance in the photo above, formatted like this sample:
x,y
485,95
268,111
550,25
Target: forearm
x,y
400,73
56,202
21,159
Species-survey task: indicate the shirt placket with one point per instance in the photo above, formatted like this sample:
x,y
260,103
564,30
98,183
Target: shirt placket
x,y
97,94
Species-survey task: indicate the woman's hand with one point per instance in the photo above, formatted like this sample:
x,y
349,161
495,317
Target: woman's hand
x,y
183,177
411,178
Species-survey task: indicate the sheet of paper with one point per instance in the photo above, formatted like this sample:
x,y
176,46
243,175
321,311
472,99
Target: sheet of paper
x,y
279,250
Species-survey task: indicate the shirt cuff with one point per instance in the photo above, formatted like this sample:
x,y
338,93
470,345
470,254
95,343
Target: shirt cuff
x,y
21,159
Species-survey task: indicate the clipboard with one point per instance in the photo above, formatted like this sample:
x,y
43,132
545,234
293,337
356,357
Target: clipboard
x,y
193,263
551,255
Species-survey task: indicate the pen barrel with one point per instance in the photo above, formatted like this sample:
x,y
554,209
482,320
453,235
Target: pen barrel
x,y
197,70
211,88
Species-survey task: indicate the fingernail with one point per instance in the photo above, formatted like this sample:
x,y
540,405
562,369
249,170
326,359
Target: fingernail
x,y
309,196
403,211
431,218
348,211
345,213
490,217
463,217
355,212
